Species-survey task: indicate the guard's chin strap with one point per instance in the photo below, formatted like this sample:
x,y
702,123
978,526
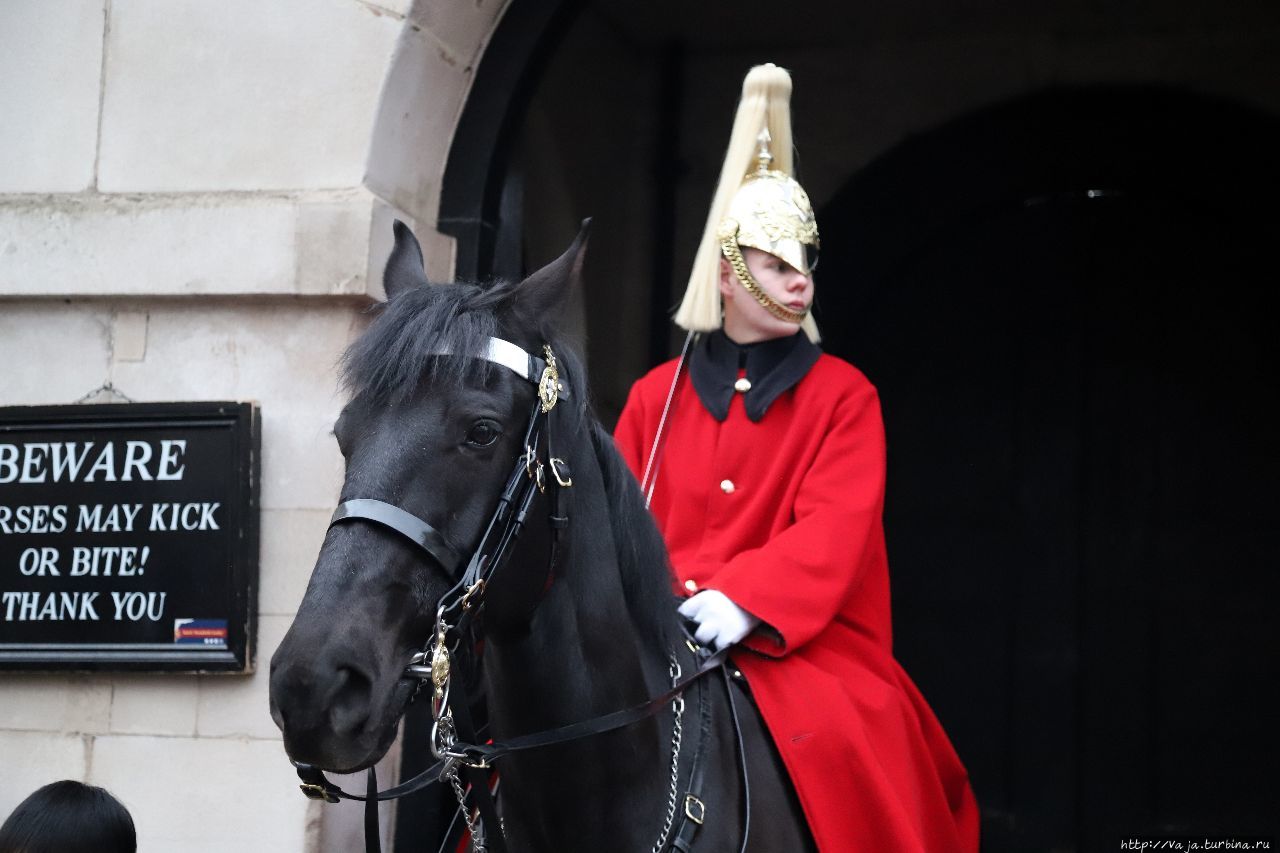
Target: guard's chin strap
x,y
732,254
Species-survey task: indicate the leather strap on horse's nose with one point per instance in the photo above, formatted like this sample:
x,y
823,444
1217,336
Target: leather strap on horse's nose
x,y
409,526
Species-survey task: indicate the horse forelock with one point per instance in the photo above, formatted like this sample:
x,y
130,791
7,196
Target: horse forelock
x,y
400,348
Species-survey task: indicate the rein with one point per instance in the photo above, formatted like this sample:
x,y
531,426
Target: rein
x,y
454,740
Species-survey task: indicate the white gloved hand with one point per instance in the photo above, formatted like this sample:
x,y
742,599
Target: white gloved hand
x,y
721,623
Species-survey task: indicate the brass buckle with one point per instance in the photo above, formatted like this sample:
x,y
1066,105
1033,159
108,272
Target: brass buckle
x,y
317,792
475,589
690,804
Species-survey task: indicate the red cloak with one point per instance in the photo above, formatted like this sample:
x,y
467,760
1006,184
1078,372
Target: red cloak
x,y
783,516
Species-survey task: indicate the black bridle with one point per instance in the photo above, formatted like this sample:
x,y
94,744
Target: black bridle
x,y
455,741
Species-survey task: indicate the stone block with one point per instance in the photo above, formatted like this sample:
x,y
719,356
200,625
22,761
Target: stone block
x,y
283,356
129,336
291,540
417,115
238,706
154,705
186,245
463,27
71,345
117,247
54,703
331,248
33,759
50,69
205,795
240,94
399,8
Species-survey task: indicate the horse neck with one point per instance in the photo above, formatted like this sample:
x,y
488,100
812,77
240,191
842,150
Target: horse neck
x,y
588,647
588,652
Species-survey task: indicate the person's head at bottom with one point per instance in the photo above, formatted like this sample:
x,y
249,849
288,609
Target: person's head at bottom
x,y
69,817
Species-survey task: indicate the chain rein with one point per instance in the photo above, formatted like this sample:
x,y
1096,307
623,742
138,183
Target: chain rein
x,y
677,736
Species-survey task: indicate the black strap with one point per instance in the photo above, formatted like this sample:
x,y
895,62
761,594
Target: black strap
x,y
479,797
410,526
487,753
372,839
742,761
693,809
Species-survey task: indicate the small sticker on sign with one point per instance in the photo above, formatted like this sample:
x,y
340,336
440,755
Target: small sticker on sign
x,y
200,632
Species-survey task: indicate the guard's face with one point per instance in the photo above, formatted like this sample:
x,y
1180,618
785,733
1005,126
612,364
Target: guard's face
x,y
746,320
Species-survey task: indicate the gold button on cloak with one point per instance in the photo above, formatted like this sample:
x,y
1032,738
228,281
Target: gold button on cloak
x,y
743,385
727,486
691,585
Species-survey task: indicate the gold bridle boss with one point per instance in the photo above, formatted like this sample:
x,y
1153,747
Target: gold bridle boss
x,y
770,212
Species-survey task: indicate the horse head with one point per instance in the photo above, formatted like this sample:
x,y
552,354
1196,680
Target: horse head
x,y
432,427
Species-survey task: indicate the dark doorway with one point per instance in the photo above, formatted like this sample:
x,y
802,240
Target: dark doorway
x,y
1063,302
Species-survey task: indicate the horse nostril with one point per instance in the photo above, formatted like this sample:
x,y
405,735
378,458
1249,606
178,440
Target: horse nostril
x,y
349,704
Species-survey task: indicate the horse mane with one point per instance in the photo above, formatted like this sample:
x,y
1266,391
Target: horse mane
x,y
642,555
401,349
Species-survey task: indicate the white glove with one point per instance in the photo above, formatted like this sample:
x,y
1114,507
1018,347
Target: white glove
x,y
721,623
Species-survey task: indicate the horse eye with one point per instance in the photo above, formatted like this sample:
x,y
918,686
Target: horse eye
x,y
483,433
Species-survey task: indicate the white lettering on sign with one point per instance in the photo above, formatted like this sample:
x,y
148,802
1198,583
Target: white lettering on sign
x,y
189,516
52,606
135,605
36,518
106,560
39,561
113,518
63,462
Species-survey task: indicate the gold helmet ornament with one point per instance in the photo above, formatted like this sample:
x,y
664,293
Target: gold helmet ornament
x,y
757,204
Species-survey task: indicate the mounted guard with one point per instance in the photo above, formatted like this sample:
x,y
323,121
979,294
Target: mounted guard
x,y
763,461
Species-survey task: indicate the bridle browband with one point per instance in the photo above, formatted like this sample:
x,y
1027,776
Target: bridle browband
x,y
454,740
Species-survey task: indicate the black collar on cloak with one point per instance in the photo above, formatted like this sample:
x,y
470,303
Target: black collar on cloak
x,y
772,367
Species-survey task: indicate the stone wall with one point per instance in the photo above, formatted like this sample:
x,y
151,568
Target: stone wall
x,y
195,204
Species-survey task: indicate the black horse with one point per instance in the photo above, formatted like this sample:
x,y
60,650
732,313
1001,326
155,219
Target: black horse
x,y
433,427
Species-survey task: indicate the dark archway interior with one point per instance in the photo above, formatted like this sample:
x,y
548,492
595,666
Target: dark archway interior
x,y
1064,303
1063,300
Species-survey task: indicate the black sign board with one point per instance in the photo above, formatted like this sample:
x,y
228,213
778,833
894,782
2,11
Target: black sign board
x,y
129,537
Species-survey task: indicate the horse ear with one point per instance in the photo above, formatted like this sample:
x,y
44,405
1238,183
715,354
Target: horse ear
x,y
545,291
405,268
